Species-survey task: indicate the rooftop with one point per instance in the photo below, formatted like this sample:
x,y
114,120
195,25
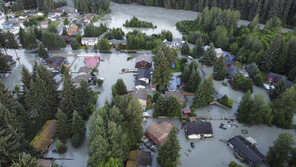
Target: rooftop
x,y
199,127
160,131
144,73
140,94
175,93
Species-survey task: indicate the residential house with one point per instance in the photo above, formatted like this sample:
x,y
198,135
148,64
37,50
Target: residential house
x,y
231,71
55,62
158,133
92,61
229,62
72,30
139,84
87,18
144,61
91,41
67,38
115,42
84,70
45,137
176,43
57,12
77,80
45,162
244,149
198,130
178,94
141,95
144,75
139,158
274,79
44,24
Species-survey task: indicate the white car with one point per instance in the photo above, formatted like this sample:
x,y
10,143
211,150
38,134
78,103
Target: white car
x,y
189,57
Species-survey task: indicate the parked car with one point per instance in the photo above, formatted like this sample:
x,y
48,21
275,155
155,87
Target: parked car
x,y
190,57
192,145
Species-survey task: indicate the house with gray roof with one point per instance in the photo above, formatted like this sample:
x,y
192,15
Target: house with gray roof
x,y
144,75
198,130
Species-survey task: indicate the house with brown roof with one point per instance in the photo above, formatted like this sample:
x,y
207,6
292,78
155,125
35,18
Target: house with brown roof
x,y
45,136
144,61
80,78
159,132
72,30
138,158
175,93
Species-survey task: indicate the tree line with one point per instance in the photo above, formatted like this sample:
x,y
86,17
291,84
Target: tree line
x,y
265,9
92,6
269,48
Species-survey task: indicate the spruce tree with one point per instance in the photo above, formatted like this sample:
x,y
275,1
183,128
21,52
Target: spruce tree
x,y
64,31
42,52
22,34
252,70
193,81
159,107
198,50
68,95
174,107
86,100
244,107
168,154
62,125
162,73
219,71
210,57
26,160
278,89
278,154
185,50
204,95
4,67
119,88
74,44
77,124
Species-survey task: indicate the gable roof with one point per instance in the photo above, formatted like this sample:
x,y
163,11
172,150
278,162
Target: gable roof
x,y
79,78
175,93
245,148
44,137
140,94
276,78
160,131
140,82
144,73
85,69
145,58
55,61
89,39
231,71
199,128
229,62
138,158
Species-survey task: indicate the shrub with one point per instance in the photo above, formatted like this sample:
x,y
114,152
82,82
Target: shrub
x,y
192,108
225,84
192,114
129,58
99,82
61,148
77,139
240,82
230,103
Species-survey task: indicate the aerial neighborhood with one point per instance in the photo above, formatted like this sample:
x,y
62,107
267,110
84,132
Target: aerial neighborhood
x,y
154,83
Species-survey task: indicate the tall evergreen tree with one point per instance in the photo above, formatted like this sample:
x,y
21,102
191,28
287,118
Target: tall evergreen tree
x,y
210,57
87,100
204,95
77,124
119,88
194,80
198,50
21,35
68,95
219,71
168,154
185,50
278,154
159,107
278,89
4,67
174,107
42,52
74,44
244,107
62,126
26,160
162,73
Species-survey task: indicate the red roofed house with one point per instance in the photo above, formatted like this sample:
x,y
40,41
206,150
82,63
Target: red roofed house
x,y
92,61
159,132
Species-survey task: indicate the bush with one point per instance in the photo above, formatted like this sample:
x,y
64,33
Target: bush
x,y
258,80
225,101
240,82
99,82
61,148
77,139
225,84
192,114
230,103
192,108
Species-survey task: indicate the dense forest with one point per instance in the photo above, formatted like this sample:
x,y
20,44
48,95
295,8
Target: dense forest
x,y
92,6
284,9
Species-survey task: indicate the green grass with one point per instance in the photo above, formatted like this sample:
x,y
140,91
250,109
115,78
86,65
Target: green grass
x,y
83,47
56,23
177,67
225,84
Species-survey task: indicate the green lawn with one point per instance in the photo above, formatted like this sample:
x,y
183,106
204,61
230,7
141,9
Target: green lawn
x,y
56,23
177,67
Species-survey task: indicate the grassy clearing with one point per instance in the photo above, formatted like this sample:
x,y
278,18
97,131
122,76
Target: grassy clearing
x,y
177,67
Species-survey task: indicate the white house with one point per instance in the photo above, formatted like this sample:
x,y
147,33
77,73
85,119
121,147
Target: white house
x,y
177,43
44,24
91,41
198,130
